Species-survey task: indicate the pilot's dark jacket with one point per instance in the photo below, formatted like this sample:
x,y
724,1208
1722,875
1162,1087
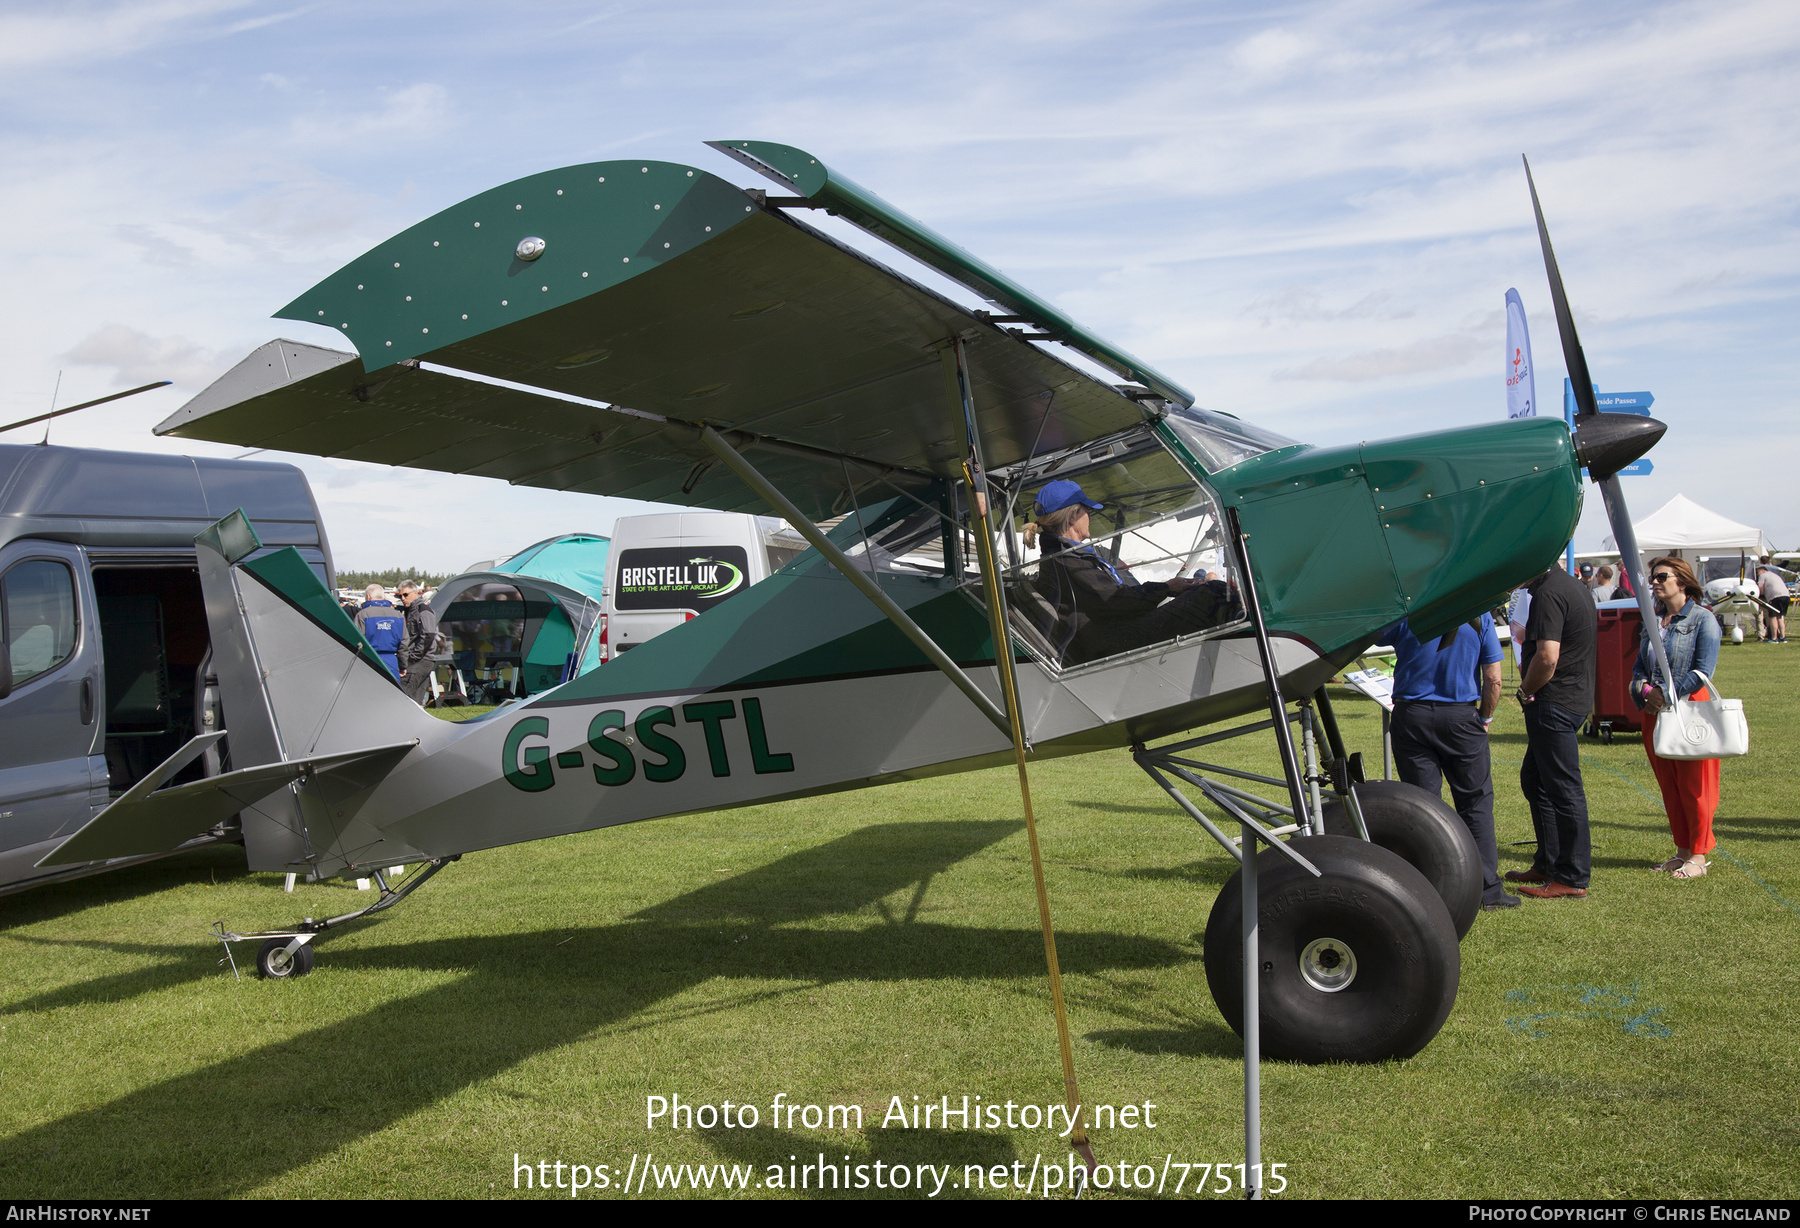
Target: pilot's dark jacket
x,y
1102,609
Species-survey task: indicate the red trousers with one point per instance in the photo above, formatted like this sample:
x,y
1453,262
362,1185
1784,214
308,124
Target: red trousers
x,y
1690,790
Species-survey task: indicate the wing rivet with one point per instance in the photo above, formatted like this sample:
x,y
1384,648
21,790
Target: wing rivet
x,y
644,169
434,242
656,206
390,343
543,287
321,313
518,206
477,225
465,315
396,264
602,179
503,302
409,298
359,287
625,260
709,230
424,330
530,248
690,174
559,191
584,273
665,245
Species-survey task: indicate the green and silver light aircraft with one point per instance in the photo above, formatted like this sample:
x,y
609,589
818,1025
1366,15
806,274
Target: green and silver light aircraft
x,y
651,330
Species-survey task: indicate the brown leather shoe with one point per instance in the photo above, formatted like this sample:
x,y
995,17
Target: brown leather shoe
x,y
1554,891
1526,876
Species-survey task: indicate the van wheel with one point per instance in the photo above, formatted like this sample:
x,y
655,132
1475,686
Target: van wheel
x,y
274,962
1360,965
1433,839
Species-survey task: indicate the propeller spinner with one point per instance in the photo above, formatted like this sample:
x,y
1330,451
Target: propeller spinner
x,y
1606,443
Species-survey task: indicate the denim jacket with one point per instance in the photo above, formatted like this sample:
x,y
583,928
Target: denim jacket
x,y
1692,642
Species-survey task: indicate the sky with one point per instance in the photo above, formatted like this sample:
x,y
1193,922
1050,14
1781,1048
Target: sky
x,y
1309,213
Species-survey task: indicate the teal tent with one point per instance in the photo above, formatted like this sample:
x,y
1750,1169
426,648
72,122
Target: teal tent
x,y
537,613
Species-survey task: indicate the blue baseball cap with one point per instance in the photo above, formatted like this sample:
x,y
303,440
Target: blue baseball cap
x,y
1057,495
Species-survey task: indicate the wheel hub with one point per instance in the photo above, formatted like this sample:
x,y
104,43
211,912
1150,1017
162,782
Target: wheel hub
x,y
1328,964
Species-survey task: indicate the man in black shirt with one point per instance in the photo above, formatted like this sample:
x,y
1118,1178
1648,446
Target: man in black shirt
x,y
1557,693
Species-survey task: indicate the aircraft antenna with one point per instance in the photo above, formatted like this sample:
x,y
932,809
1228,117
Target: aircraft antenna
x,y
57,413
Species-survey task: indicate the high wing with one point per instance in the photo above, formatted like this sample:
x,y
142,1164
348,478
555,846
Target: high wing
x,y
665,298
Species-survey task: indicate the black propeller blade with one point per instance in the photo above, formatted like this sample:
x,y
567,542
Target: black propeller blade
x,y
1606,443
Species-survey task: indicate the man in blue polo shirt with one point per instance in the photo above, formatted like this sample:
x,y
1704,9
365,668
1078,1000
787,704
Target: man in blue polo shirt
x,y
1445,693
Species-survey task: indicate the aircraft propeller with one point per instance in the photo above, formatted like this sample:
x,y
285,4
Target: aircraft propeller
x,y
1605,443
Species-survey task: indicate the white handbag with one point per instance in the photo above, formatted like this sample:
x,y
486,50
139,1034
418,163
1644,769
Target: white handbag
x,y
1702,728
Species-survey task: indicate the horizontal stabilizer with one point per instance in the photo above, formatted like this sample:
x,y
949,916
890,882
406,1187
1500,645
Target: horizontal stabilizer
x,y
145,820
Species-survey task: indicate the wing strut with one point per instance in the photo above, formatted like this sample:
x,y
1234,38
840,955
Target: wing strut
x,y
856,575
975,474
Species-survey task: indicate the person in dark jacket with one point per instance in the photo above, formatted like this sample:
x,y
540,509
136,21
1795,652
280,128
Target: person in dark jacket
x,y
1102,608
382,625
420,644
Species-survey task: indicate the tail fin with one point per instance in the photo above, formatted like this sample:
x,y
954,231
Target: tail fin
x,y
299,682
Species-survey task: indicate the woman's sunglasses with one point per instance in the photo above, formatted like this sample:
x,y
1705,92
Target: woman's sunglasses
x,y
1660,576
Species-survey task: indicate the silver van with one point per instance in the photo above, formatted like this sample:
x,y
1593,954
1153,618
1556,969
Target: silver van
x,y
105,658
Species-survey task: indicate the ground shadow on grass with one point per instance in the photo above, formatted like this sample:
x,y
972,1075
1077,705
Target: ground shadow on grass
x,y
788,1151
1199,1039
1166,812
216,863
237,1124
1777,831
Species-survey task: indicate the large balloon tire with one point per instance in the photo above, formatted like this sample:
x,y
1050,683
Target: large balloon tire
x,y
1375,914
1433,839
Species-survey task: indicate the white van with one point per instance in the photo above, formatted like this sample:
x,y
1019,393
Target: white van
x,y
663,570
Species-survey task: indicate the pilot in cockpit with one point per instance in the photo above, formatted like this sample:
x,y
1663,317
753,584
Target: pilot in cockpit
x,y
1102,607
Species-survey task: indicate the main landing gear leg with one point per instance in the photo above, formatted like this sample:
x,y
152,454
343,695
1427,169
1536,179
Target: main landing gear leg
x,y
286,954
1366,918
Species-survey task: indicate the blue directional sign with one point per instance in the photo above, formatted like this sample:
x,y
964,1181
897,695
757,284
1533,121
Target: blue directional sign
x,y
1624,402
1613,403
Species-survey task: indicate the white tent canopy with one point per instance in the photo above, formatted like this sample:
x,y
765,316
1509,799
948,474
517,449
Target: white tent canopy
x,y
1683,525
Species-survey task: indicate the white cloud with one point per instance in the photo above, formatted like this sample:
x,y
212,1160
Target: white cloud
x,y
138,358
417,111
1269,51
74,32
1447,352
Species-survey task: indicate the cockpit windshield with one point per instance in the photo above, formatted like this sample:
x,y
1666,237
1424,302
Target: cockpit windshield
x,y
1219,441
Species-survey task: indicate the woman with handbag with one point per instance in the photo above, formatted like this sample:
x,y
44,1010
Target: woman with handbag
x,y
1690,787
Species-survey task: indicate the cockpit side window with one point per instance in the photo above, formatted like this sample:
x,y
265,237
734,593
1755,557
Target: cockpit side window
x,y
1147,567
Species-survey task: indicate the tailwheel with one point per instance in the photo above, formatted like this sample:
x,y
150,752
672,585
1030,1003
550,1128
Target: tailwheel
x,y
1359,965
1430,836
276,963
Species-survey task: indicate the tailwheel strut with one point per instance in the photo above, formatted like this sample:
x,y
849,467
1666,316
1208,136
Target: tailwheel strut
x,y
286,954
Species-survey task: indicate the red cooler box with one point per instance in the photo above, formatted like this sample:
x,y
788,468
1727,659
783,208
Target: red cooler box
x,y
1615,655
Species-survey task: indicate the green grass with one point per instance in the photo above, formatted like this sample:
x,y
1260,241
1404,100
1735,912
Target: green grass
x,y
847,949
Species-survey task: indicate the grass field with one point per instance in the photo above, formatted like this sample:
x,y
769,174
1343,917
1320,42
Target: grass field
x,y
849,949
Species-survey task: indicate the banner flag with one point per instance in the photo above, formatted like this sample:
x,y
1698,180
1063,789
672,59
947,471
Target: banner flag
x,y
1521,379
